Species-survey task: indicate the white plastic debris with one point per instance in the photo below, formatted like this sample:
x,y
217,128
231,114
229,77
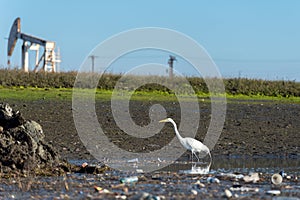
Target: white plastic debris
x,y
254,177
274,192
245,189
276,179
230,175
139,170
135,160
196,170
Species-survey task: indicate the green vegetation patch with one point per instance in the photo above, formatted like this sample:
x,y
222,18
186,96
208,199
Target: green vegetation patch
x,y
30,94
17,84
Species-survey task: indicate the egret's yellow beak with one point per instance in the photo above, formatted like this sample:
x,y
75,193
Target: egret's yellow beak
x,y
164,120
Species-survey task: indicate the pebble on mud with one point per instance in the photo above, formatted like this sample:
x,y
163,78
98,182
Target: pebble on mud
x,y
213,180
199,184
194,192
228,194
146,196
83,165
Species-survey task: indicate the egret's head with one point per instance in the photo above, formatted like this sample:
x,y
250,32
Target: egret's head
x,y
165,120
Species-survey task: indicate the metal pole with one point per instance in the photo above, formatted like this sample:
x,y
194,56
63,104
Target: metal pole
x,y
170,62
93,62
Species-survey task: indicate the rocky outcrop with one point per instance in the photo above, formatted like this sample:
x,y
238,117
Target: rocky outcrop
x,y
22,144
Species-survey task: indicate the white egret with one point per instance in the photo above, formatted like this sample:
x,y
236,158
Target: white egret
x,y
189,143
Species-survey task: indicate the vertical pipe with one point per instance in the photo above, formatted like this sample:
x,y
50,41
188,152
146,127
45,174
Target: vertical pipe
x,y
25,56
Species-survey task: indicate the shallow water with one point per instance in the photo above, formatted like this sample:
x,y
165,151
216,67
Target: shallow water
x,y
242,164
167,182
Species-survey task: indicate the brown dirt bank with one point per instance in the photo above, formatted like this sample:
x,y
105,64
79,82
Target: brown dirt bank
x,y
251,127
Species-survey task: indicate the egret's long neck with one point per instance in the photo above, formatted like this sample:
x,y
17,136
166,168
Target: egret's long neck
x,y
176,130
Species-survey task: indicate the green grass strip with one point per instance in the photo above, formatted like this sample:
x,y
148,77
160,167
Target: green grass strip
x,y
28,94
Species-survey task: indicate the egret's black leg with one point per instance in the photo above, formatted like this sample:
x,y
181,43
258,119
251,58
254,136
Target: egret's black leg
x,y
197,156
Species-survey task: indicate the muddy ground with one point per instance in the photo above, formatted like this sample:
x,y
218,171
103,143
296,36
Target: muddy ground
x,y
262,129
254,128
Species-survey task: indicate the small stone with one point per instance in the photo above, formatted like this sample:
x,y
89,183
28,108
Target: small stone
x,y
194,192
199,184
139,170
125,190
228,194
83,165
213,180
121,197
236,185
282,173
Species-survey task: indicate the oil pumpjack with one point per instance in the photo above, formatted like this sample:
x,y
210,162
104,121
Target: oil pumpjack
x,y
49,58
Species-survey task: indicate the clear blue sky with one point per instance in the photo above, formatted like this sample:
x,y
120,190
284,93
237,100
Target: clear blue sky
x,y
254,38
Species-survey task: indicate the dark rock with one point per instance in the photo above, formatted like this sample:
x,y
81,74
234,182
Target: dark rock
x,y
22,144
9,118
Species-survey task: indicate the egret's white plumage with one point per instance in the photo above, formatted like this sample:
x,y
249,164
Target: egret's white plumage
x,y
189,143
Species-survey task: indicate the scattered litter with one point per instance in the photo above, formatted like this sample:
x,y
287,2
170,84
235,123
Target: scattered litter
x,y
97,188
135,160
101,190
146,196
274,192
121,197
139,170
276,179
282,173
236,184
131,179
245,189
199,184
194,192
252,178
230,175
196,170
125,190
212,180
228,194
83,165
66,186
121,185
